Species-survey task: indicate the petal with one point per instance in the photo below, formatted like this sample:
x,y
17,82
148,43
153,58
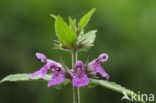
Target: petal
x,y
95,65
79,64
43,72
51,63
57,78
80,80
102,58
90,66
41,56
34,74
100,70
79,77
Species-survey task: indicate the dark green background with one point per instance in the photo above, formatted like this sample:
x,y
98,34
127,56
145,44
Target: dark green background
x,y
126,31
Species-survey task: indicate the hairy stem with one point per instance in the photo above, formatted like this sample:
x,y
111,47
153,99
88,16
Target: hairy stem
x,y
76,93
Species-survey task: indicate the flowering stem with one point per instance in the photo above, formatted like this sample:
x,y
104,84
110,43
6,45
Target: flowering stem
x,y
76,93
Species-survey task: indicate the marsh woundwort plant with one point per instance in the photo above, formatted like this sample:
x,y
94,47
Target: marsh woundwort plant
x,y
72,38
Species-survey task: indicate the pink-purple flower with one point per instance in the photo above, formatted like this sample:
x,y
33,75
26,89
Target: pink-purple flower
x,y
79,74
41,57
56,68
95,65
79,77
58,74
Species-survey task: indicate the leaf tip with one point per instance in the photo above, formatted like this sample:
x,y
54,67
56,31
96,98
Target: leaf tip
x,y
94,9
1,81
53,16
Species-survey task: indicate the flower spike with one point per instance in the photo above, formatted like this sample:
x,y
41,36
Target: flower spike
x,y
79,77
95,65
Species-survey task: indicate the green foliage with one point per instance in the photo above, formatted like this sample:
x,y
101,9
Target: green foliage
x,y
87,40
93,82
84,20
65,34
72,23
113,86
125,27
22,77
69,36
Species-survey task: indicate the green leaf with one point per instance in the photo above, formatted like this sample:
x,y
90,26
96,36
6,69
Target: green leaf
x,y
84,20
93,82
72,23
59,86
65,34
24,77
113,86
87,40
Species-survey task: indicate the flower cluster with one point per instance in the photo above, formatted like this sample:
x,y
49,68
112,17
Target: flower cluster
x,y
79,74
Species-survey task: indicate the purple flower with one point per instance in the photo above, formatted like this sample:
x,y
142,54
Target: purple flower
x,y
79,77
57,76
41,57
42,72
95,65
56,68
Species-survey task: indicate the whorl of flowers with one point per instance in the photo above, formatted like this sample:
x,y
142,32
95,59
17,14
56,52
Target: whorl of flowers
x,y
79,74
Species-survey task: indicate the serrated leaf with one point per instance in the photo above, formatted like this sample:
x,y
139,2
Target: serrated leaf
x,y
84,20
93,82
72,23
113,86
87,40
24,77
65,34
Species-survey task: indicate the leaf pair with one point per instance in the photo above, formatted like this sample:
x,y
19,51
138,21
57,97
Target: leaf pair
x,y
70,35
93,82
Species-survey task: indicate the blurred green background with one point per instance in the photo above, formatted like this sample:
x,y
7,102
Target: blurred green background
x,y
126,31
